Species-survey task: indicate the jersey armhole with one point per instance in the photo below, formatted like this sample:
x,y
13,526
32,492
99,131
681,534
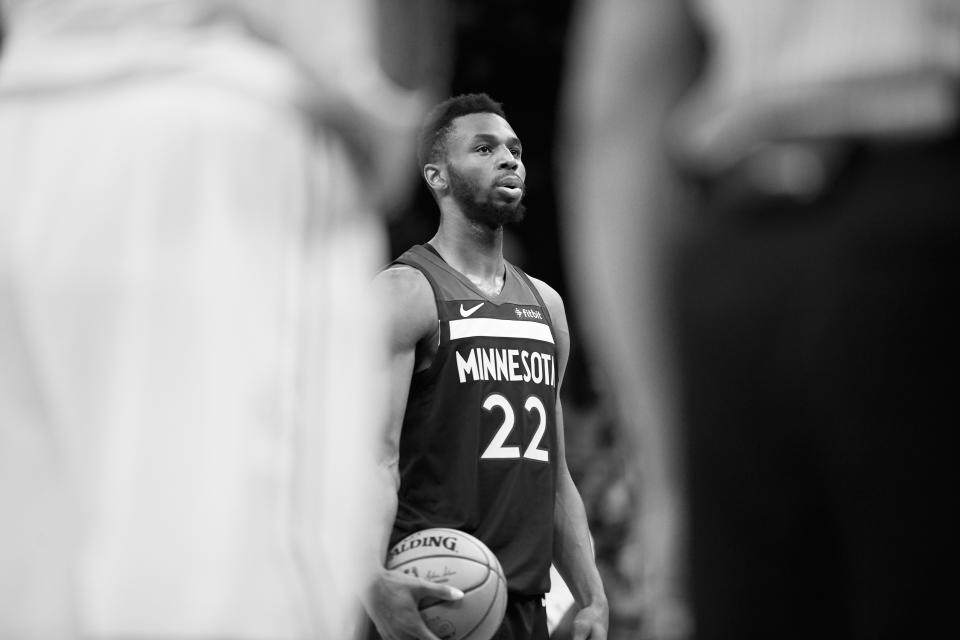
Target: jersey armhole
x,y
536,293
540,301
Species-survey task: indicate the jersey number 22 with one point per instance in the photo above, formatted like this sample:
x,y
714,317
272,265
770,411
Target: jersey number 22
x,y
496,448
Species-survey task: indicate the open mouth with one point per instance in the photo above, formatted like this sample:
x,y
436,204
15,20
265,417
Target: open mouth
x,y
511,185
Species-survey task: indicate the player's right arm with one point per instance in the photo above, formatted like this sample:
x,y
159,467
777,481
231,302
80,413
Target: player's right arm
x,y
392,597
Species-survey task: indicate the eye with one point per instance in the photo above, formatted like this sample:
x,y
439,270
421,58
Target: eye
x,y
484,148
516,152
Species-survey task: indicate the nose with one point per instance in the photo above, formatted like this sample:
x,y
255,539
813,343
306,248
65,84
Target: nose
x,y
506,159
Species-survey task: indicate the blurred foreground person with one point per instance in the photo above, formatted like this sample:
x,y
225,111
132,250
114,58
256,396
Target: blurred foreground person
x,y
761,207
188,356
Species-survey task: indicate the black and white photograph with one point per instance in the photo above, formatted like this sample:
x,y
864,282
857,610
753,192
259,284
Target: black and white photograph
x,y
478,319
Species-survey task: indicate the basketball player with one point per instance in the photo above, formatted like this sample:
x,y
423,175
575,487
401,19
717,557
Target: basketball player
x,y
478,349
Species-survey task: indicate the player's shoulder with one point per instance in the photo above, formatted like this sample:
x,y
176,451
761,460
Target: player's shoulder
x,y
551,297
402,279
409,296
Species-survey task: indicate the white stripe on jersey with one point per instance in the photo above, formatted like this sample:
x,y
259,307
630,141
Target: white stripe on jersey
x,y
497,328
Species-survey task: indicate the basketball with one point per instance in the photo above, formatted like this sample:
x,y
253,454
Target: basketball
x,y
457,559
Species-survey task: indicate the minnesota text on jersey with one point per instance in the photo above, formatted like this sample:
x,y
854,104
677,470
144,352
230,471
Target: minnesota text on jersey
x,y
511,365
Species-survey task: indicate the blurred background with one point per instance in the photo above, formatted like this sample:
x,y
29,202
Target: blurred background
x,y
514,50
807,294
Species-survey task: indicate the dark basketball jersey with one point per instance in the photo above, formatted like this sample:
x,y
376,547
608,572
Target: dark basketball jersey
x,y
478,446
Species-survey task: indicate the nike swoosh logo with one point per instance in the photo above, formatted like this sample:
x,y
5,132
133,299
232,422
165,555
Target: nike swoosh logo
x,y
466,313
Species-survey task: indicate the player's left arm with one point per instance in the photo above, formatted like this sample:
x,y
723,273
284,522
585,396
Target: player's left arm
x,y
573,548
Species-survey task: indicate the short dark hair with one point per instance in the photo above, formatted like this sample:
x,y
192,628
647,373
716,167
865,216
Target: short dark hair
x,y
438,123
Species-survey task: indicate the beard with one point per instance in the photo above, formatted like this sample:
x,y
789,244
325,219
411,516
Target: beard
x,y
489,212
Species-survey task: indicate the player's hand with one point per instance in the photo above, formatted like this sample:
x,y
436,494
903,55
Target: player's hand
x,y
393,604
391,158
591,623
380,131
654,555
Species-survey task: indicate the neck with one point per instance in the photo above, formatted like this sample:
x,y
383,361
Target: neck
x,y
473,249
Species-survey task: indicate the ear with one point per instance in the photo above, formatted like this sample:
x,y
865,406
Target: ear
x,y
435,176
